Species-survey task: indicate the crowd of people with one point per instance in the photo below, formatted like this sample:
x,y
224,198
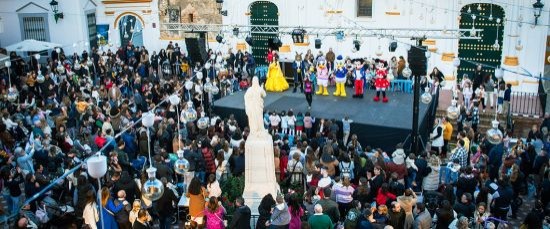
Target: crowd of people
x,y
59,112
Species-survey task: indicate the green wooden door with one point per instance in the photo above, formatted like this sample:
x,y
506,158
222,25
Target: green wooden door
x,y
263,13
481,51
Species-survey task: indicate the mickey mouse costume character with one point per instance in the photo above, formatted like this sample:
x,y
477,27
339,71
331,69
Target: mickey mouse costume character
x,y
322,76
359,75
340,74
381,83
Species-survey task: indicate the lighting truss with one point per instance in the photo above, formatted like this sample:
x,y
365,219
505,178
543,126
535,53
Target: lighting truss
x,y
326,31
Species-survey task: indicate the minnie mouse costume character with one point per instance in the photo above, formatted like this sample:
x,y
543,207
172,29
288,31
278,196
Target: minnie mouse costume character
x,y
359,75
381,83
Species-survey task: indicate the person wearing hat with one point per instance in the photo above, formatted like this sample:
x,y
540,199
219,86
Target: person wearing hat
x,y
340,75
360,76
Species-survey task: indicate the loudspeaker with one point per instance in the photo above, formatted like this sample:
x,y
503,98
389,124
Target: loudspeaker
x,y
417,60
318,43
249,40
274,43
393,46
196,49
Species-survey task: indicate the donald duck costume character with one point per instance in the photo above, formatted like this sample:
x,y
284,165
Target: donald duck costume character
x,y
381,83
340,74
359,75
322,77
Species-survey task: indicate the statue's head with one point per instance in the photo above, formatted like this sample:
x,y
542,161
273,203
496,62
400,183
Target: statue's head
x,y
255,81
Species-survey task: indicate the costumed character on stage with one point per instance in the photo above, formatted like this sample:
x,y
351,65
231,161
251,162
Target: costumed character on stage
x,y
276,81
299,72
381,83
340,75
322,76
359,75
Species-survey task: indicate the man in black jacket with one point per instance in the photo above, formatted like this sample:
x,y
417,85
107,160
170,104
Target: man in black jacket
x,y
330,207
165,205
241,217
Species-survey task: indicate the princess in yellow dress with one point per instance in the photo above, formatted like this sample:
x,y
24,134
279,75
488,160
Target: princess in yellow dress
x,y
276,81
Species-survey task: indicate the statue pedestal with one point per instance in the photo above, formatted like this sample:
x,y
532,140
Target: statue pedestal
x,y
259,170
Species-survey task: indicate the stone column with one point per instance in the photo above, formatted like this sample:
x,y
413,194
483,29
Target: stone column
x,y
259,170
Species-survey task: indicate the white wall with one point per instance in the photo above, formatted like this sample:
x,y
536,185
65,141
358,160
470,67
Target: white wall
x,y
151,36
67,31
309,13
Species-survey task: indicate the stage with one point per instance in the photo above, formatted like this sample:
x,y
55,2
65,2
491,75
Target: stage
x,y
376,124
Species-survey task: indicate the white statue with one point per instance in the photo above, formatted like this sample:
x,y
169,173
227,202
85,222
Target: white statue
x,y
254,107
259,175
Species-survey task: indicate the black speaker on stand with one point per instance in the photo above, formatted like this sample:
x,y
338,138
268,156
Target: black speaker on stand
x,y
417,60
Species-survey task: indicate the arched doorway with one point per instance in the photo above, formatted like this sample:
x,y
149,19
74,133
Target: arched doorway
x,y
263,13
130,29
481,51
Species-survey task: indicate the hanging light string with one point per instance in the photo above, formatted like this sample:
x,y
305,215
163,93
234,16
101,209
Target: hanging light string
x,y
524,73
422,4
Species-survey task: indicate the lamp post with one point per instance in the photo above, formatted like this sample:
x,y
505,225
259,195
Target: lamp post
x,y
55,8
153,188
97,167
219,4
537,10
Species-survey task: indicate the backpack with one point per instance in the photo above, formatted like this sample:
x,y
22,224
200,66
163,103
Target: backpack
x,y
346,171
351,219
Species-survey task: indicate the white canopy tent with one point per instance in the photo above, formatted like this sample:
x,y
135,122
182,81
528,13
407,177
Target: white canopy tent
x,y
31,45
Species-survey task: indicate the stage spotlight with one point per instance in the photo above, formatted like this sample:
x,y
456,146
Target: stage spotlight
x,y
357,44
249,40
298,35
219,38
277,42
236,31
318,43
393,46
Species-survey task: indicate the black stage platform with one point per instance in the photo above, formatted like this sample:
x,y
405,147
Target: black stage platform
x,y
376,124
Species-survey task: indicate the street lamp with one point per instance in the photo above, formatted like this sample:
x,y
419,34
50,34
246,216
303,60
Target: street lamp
x,y
219,4
55,8
153,188
537,10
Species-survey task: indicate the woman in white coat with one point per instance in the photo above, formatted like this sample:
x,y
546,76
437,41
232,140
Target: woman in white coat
x,y
91,211
437,136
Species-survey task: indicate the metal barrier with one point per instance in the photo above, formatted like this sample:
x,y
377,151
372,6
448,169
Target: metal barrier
x,y
525,103
401,86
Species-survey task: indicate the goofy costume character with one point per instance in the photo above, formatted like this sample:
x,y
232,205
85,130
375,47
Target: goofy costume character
x,y
340,75
299,72
359,75
322,77
381,83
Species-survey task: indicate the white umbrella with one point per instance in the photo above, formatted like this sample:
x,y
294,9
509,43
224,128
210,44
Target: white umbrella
x,y
31,45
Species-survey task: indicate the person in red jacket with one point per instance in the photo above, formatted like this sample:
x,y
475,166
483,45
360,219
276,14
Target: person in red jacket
x,y
384,195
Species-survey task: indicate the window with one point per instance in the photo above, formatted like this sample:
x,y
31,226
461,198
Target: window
x,y
364,8
92,29
35,27
191,18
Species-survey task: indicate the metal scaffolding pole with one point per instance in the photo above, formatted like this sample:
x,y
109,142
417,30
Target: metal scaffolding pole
x,y
327,31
